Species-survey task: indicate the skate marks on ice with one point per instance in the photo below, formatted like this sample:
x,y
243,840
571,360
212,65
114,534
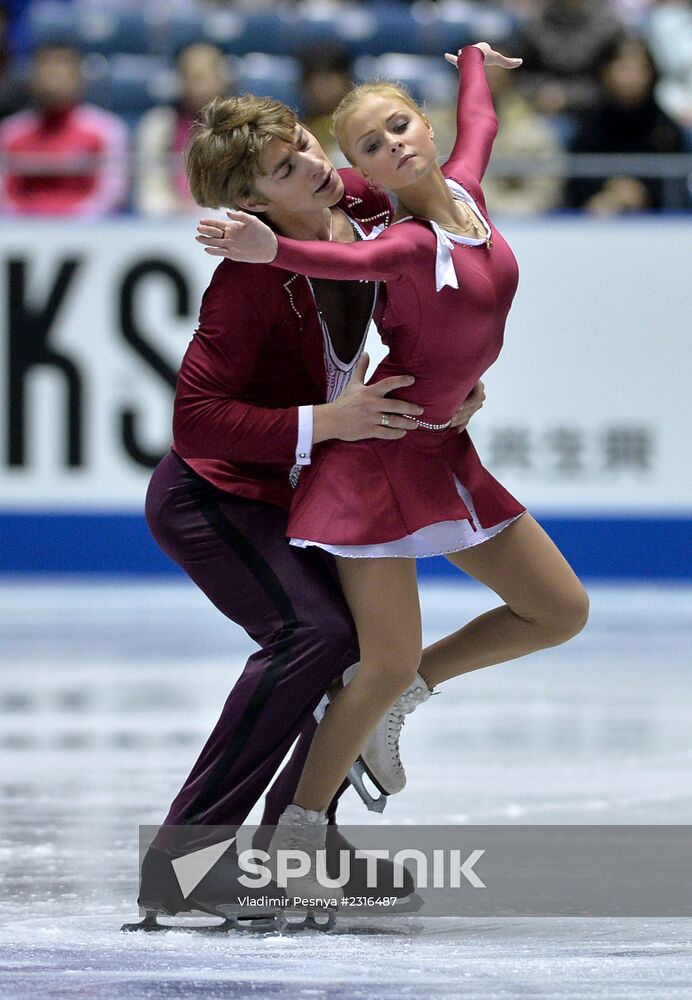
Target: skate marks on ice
x,y
409,957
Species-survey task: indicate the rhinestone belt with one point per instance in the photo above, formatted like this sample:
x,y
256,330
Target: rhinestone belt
x,y
426,426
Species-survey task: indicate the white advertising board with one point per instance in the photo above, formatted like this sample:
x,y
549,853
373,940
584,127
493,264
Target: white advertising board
x,y
588,407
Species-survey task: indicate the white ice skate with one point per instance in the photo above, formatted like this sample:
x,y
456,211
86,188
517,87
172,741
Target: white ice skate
x,y
380,755
305,831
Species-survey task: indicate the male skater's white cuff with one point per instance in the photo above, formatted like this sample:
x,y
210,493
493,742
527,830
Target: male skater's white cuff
x,y
304,446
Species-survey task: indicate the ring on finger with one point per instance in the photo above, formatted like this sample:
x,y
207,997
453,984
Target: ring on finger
x,y
384,422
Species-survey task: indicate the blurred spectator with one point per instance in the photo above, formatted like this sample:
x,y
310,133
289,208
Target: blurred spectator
x,y
631,13
668,31
72,157
326,77
163,131
561,48
626,120
14,94
250,5
523,132
523,9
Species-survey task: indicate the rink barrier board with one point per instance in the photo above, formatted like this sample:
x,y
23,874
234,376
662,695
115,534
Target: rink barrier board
x,y
119,545
588,406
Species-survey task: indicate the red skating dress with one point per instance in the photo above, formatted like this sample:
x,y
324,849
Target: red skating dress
x,y
447,302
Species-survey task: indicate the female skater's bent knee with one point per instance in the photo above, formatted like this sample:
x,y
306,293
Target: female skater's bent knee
x,y
566,616
389,676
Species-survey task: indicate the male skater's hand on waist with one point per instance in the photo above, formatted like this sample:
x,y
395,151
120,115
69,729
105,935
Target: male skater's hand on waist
x,y
359,411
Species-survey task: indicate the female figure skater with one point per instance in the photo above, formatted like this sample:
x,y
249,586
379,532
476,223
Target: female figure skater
x,y
450,280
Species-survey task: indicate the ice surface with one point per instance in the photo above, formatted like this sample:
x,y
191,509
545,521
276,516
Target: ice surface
x,y
107,693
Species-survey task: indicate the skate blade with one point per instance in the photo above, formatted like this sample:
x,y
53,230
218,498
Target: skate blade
x,y
355,776
291,921
153,922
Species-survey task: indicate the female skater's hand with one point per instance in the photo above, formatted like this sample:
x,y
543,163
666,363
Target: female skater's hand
x,y
492,58
471,405
243,237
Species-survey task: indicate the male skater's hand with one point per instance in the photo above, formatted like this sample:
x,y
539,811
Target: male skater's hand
x,y
472,404
243,237
358,412
490,57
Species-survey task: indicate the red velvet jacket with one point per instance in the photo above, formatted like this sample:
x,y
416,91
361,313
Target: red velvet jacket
x,y
256,356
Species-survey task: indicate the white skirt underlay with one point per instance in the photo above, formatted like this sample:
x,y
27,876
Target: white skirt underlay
x,y
433,540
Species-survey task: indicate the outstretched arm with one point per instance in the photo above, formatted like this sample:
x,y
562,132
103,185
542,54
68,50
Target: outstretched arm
x,y
382,259
476,118
246,238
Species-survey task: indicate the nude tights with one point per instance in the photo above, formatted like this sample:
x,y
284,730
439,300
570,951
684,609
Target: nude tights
x,y
544,605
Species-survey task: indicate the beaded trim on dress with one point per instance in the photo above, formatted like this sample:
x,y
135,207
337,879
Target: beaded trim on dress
x,y
338,372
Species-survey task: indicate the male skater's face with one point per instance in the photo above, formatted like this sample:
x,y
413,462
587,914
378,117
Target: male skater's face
x,y
298,177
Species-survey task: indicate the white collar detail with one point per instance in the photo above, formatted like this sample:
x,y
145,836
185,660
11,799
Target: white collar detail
x,y
374,232
444,265
445,275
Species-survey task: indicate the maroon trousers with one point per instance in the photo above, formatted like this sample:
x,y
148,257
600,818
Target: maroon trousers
x,y
289,601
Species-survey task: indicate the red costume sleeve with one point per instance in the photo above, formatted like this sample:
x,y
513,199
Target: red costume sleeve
x,y
393,253
210,417
476,118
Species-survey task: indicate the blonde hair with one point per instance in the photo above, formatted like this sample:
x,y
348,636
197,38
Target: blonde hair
x,y
354,98
223,158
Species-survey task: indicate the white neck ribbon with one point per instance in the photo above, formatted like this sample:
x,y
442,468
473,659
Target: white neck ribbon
x,y
444,265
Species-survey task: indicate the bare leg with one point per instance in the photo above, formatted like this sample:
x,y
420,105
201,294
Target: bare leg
x,y
383,597
545,603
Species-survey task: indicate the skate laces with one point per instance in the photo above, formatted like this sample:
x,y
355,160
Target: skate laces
x,y
405,704
295,837
413,697
395,723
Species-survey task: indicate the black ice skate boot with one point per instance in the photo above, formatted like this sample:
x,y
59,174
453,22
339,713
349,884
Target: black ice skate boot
x,y
219,894
393,881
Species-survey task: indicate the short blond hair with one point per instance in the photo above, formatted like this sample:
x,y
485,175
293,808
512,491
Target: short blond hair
x,y
223,157
354,98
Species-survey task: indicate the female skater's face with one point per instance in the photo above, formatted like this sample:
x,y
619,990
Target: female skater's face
x,y
391,144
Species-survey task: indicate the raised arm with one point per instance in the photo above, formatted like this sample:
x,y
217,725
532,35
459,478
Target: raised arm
x,y
476,118
246,238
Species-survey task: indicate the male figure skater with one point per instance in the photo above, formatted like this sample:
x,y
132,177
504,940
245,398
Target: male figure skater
x,y
274,368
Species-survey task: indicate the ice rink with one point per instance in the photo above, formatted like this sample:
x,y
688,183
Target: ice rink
x,y
108,692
